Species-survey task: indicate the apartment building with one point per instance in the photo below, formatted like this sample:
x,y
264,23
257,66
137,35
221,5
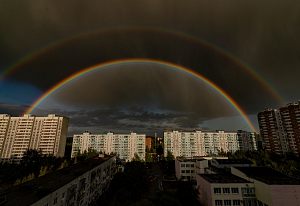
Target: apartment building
x,y
78,185
204,143
247,140
290,118
271,131
18,134
280,129
126,146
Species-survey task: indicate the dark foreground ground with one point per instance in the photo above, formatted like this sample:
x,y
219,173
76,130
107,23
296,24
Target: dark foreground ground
x,y
149,184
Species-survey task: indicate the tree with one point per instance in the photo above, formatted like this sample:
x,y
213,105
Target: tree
x,y
170,156
136,158
149,157
160,150
32,162
87,154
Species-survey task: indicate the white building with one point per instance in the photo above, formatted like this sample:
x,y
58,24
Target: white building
x,y
271,187
203,143
18,134
187,168
225,189
78,185
126,146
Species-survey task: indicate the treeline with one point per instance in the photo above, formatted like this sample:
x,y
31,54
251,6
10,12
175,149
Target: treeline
x,y
288,164
32,165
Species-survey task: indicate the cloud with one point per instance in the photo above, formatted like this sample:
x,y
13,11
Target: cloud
x,y
263,34
12,109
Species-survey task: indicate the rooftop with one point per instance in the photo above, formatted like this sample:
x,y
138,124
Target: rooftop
x,y
223,178
34,190
233,161
268,176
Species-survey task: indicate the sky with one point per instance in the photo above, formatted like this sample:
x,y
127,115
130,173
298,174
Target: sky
x,y
249,49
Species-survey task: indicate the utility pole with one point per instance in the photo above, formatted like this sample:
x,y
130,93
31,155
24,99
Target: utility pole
x,y
155,142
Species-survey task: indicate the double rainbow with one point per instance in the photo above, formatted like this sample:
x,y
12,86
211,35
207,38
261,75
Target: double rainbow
x,y
215,87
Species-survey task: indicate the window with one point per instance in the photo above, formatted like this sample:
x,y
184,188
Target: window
x,y
227,202
217,190
182,171
218,202
235,190
226,190
250,190
182,165
236,202
55,201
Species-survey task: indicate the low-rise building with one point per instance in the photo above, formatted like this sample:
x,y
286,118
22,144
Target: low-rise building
x,y
225,190
272,187
78,185
228,163
187,168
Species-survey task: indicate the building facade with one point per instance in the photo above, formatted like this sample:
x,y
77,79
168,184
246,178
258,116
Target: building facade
x,y
126,146
225,189
280,129
271,187
247,140
149,143
18,134
186,169
80,184
204,143
290,118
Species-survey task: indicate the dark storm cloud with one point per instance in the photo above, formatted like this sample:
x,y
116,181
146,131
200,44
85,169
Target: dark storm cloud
x,y
12,109
136,119
59,62
264,34
137,96
149,84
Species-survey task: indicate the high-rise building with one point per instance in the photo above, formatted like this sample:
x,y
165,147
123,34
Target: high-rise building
x,y
271,131
18,134
280,129
290,118
247,140
203,143
126,146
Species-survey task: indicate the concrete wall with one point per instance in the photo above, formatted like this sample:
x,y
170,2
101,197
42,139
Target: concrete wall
x,y
206,191
83,190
